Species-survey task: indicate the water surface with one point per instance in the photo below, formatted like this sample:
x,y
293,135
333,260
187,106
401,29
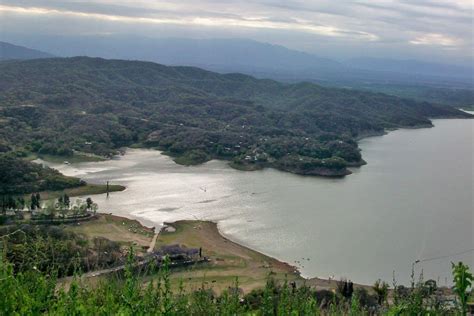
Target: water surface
x,y
414,200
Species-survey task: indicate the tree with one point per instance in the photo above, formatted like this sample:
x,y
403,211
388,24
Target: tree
x,y
381,290
4,204
8,203
63,210
64,204
33,202
66,200
11,203
462,282
21,203
430,287
89,202
50,209
38,200
345,288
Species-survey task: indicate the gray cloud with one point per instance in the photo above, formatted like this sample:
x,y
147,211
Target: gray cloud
x,y
409,26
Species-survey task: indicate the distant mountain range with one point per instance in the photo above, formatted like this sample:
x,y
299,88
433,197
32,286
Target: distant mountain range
x,y
410,67
252,57
10,51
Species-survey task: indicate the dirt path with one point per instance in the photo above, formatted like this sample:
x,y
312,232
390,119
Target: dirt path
x,y
152,243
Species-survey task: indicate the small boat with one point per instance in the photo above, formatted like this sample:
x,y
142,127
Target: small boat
x,y
66,162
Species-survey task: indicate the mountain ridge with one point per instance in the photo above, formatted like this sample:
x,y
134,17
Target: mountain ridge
x,y
10,51
249,56
62,105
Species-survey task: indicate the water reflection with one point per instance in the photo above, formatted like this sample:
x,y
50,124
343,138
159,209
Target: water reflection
x,y
413,200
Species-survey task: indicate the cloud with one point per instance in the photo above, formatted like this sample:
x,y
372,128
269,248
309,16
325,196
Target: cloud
x,y
390,25
210,20
434,39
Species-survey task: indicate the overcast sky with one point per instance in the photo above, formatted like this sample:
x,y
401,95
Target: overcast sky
x,y
429,29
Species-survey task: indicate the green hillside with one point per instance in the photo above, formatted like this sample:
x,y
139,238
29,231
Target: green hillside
x,y
61,105
18,176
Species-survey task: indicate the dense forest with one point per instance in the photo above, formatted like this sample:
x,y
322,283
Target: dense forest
x,y
458,98
60,106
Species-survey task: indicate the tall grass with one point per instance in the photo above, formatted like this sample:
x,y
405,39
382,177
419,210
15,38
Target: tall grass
x,y
34,293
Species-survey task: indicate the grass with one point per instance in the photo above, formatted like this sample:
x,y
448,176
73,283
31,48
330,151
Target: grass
x,y
228,260
125,231
88,189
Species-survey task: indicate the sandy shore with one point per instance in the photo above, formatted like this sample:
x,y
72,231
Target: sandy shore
x,y
229,260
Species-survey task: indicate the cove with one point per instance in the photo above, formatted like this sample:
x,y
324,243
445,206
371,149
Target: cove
x,y
412,201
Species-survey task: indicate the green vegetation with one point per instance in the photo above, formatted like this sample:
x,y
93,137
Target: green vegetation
x,y
35,261
62,208
64,237
463,279
192,157
34,292
76,157
83,190
18,176
52,250
381,290
455,97
122,230
90,105
14,210
228,260
85,108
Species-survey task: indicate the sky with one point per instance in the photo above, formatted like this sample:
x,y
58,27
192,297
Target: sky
x,y
403,29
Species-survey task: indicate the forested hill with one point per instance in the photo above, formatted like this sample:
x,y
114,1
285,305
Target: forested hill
x,y
59,105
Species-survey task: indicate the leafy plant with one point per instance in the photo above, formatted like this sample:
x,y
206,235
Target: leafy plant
x,y
381,289
462,279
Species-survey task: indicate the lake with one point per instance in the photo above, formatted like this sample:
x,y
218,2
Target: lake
x,y
412,201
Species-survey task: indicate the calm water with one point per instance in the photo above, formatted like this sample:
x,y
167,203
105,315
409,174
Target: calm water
x,y
414,200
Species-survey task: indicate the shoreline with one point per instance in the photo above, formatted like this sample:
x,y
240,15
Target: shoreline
x,y
323,172
314,281
236,242
215,225
317,172
229,259
241,245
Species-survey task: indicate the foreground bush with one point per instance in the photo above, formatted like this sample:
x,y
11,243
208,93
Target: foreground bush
x,y
33,292
52,250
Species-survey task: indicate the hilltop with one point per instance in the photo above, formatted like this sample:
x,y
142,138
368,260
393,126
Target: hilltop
x,y
63,105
